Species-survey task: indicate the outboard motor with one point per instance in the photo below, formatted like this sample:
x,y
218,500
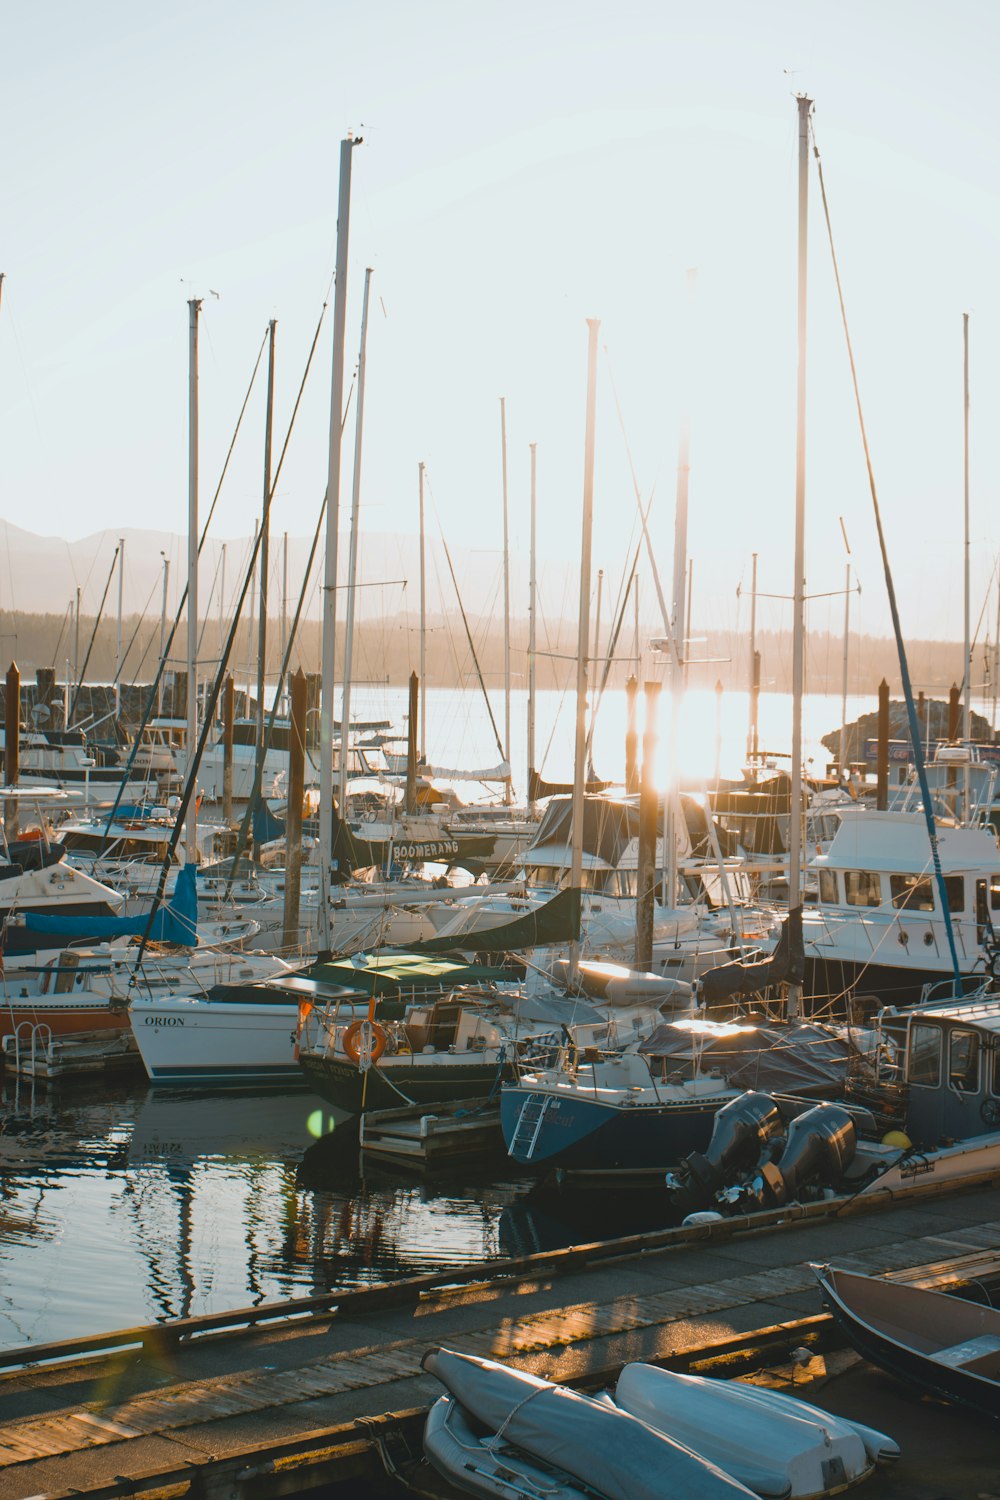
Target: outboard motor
x,y
820,1147
742,1130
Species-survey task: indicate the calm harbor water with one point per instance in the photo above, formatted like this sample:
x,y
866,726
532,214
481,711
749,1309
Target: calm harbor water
x,y
138,1205
130,1205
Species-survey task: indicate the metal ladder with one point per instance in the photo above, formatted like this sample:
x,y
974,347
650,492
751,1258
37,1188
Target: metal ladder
x,y
529,1123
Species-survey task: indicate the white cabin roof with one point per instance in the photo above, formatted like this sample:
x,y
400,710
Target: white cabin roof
x,y
898,843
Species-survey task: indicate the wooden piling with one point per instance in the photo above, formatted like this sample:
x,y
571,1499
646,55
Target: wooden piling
x,y
12,746
293,815
954,711
648,818
410,805
632,737
882,757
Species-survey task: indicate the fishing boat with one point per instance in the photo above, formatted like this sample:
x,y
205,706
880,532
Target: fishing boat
x,y
937,1342
546,1440
449,1046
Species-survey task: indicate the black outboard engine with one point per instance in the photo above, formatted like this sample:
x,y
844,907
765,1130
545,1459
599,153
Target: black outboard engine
x,y
820,1147
742,1130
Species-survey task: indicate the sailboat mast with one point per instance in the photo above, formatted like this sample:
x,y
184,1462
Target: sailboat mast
x,y
798,621
423,621
843,684
265,535
506,599
532,587
352,558
967,669
191,825
752,730
580,748
163,630
118,639
332,523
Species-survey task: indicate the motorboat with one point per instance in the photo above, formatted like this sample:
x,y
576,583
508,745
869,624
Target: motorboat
x,y
647,1107
547,1440
925,1109
878,927
940,1343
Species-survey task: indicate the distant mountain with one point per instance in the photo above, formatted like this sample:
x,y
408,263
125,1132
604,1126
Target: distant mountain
x,y
40,574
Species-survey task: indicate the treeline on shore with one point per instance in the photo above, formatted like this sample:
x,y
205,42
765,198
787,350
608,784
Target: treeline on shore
x,y
388,650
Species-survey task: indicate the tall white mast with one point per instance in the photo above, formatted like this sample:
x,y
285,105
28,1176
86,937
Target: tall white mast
x,y
265,537
967,669
532,585
423,621
580,755
352,556
222,600
118,640
752,731
799,619
847,644
332,523
506,599
679,628
163,630
191,825
284,596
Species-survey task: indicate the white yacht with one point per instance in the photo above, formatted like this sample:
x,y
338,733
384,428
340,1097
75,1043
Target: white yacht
x,y
878,926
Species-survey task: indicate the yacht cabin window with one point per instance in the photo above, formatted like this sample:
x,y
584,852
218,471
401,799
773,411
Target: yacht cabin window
x,y
862,888
924,1061
916,892
995,1090
963,1060
828,887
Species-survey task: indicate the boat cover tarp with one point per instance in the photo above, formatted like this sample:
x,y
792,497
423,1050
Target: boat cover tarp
x,y
266,827
608,827
176,921
539,788
800,1058
394,973
786,965
555,921
613,1453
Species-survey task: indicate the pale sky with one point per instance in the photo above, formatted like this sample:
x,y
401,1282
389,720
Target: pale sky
x,y
524,166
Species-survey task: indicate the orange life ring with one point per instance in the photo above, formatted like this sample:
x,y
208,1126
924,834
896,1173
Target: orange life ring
x,y
360,1033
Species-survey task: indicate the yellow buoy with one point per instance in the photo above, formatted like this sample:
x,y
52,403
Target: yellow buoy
x,y
897,1138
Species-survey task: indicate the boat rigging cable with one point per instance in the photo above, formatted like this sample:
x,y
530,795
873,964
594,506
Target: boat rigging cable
x,y
194,761
93,636
468,633
154,688
904,670
258,776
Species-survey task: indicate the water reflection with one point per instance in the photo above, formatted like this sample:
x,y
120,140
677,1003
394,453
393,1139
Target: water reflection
x,y
133,1205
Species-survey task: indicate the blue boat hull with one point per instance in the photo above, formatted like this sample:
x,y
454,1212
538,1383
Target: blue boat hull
x,y
583,1134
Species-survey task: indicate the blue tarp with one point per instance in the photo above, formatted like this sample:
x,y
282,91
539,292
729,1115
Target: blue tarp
x,y
175,922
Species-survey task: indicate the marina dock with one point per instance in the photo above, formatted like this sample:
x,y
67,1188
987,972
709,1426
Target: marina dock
x,y
279,1398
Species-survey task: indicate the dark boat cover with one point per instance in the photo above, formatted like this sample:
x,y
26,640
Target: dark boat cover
x,y
556,921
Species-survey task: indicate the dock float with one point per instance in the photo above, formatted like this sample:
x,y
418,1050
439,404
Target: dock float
x,y
274,1399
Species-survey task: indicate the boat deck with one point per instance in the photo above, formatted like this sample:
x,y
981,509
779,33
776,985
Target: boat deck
x,y
301,1398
